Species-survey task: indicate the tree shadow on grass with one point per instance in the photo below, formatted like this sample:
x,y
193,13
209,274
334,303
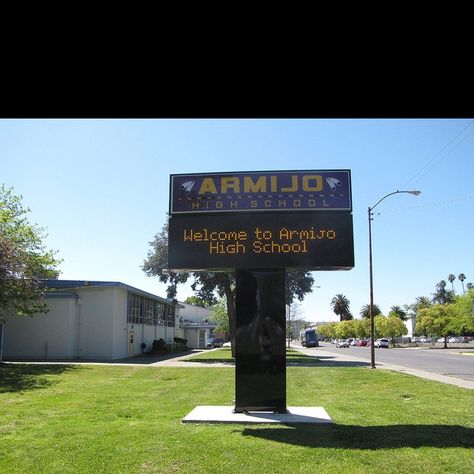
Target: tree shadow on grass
x,y
291,361
368,437
21,377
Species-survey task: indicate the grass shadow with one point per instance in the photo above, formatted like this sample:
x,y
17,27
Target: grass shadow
x,y
22,377
368,437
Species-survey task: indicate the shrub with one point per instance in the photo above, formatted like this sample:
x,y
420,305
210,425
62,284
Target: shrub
x,y
159,345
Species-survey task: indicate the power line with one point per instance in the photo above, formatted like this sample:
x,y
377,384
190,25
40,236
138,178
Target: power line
x,y
438,157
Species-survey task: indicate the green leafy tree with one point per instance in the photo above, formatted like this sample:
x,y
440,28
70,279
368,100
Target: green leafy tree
x,y
380,326
24,259
340,306
463,319
345,329
436,321
219,316
196,301
328,330
363,327
394,327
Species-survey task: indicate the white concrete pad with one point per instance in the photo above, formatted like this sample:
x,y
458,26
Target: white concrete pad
x,y
225,414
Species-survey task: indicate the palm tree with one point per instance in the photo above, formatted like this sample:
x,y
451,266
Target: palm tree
x,y
469,286
399,312
451,278
462,277
421,302
365,311
340,305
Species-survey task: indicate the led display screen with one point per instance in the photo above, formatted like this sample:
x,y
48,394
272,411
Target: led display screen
x,y
225,242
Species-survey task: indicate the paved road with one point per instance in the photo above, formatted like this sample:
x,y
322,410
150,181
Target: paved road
x,y
455,363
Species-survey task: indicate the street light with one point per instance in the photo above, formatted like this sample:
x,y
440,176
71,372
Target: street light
x,y
371,309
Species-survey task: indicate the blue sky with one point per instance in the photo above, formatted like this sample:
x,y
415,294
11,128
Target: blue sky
x,y
100,188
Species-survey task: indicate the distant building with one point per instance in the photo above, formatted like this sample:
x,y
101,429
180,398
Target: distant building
x,y
91,320
195,325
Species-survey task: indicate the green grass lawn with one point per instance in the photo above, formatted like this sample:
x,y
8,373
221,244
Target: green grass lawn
x,y
119,419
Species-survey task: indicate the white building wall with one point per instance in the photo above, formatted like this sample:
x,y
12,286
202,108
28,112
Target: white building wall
x,y
97,321
119,327
196,314
43,336
192,335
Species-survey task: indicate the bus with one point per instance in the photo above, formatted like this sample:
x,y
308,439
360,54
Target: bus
x,y
309,338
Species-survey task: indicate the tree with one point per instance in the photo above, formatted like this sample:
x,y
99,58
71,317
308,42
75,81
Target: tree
x,y
340,306
469,286
328,330
442,295
398,312
195,301
461,278
463,319
365,311
293,311
451,278
219,316
380,325
421,302
435,321
394,327
24,260
207,284
346,329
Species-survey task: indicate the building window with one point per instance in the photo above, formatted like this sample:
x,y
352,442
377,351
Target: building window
x,y
143,310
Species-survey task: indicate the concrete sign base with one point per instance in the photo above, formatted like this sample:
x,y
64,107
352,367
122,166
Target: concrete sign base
x,y
225,414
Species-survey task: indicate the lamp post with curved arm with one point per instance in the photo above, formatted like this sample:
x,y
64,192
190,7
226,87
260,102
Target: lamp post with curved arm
x,y
371,311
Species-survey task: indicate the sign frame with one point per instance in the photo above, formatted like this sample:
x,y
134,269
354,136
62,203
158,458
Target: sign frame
x,y
263,191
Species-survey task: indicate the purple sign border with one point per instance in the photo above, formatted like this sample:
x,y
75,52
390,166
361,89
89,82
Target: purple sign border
x,y
286,193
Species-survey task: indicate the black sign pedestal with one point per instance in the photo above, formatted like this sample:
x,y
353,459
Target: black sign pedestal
x,y
260,357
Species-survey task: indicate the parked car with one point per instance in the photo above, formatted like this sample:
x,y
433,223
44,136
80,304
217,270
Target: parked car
x,y
217,342
465,339
209,342
455,340
354,342
362,343
342,343
382,343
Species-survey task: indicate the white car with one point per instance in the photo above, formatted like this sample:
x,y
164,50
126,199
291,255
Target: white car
x,y
382,343
342,343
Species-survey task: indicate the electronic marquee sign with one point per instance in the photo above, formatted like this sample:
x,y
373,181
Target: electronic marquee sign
x,y
318,241
261,191
294,220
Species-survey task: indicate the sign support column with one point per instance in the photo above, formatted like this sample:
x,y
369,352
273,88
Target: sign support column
x,y
260,357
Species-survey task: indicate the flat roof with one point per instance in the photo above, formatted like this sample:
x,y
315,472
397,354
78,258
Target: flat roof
x,y
80,284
